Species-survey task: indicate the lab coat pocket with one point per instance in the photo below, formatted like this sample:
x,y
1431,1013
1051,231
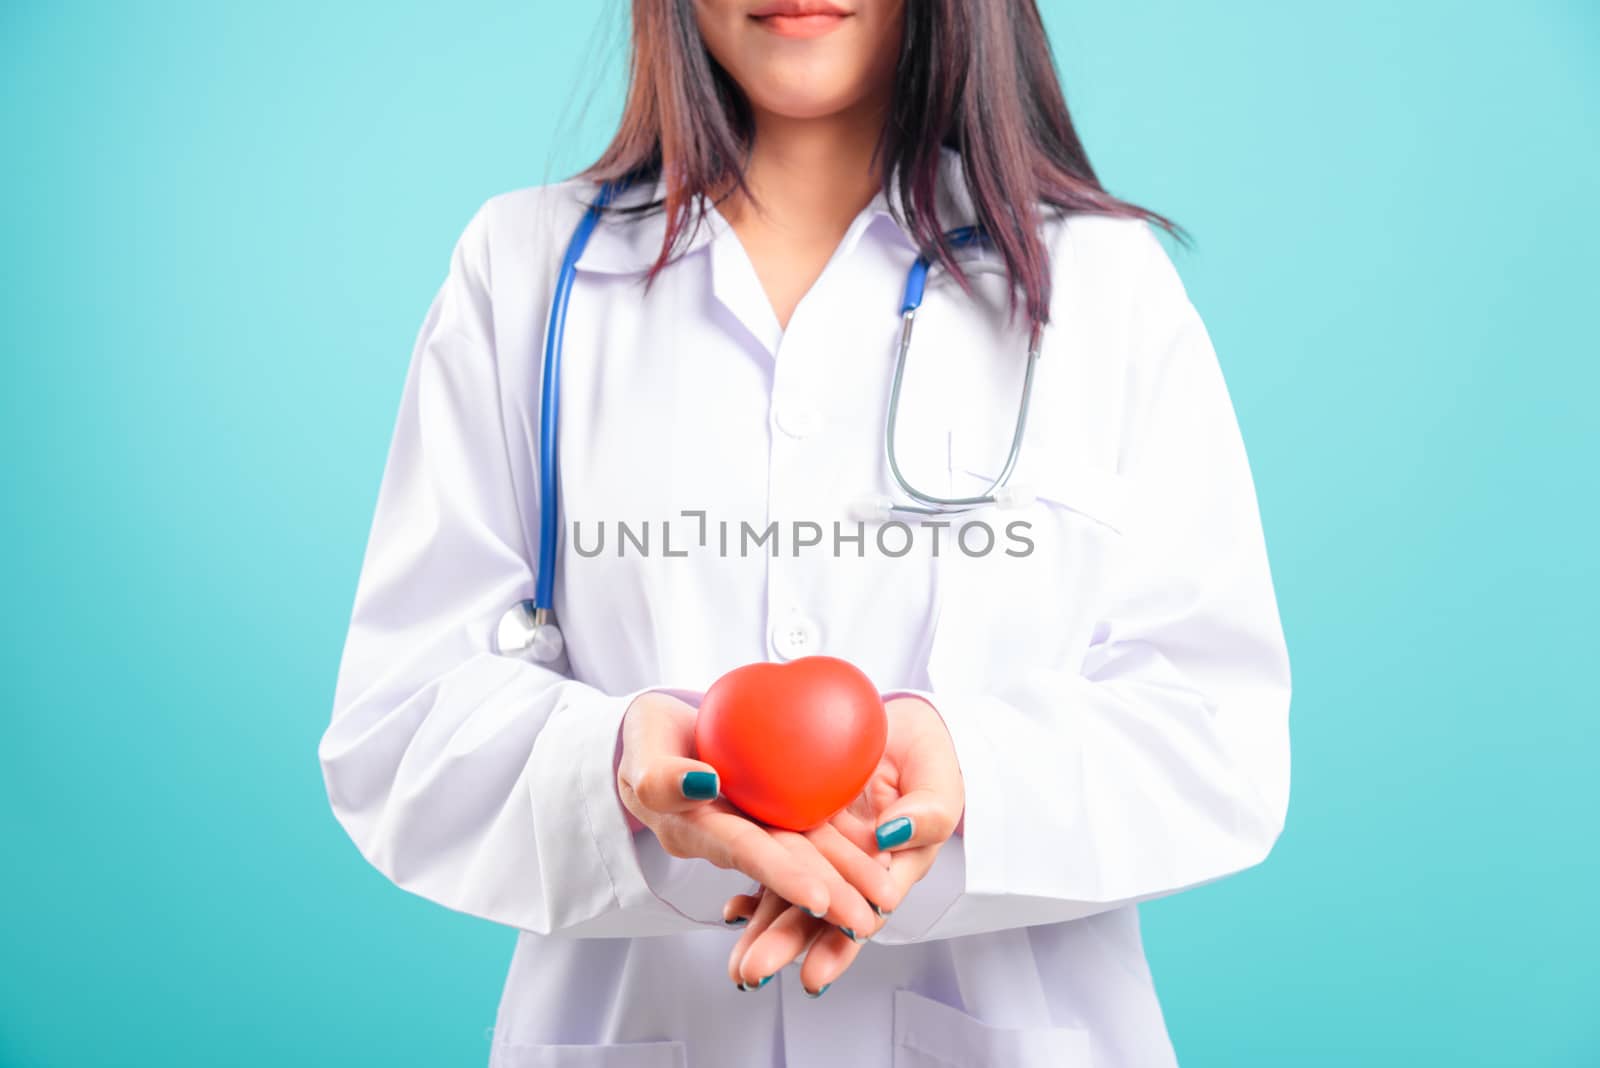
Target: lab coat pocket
x,y
1042,473
664,1054
1031,600
931,1034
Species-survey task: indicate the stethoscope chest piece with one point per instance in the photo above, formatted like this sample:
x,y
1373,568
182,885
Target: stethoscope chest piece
x,y
529,632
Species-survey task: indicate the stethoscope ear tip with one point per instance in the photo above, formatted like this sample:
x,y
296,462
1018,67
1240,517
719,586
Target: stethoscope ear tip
x,y
1009,496
874,508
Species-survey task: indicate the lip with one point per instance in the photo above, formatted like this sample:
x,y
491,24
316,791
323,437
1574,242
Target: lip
x,y
799,18
797,8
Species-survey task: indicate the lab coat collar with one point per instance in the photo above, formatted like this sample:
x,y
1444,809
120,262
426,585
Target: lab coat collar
x,y
630,244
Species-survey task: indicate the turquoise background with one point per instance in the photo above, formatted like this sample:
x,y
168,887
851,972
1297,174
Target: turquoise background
x,y
223,223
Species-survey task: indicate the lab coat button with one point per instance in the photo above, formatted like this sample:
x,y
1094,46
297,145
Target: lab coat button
x,y
795,636
798,420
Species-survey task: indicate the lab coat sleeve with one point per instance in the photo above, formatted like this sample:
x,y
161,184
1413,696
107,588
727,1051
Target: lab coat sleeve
x,y
482,782
1162,761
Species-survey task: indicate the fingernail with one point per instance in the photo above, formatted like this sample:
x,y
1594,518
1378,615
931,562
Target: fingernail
x,y
737,921
895,832
699,785
763,983
741,985
821,991
848,933
880,912
808,912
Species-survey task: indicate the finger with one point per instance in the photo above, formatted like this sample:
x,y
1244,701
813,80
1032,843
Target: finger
x,y
909,866
857,829
861,870
769,908
830,954
729,840
932,794
778,945
847,906
675,783
931,800
658,738
739,908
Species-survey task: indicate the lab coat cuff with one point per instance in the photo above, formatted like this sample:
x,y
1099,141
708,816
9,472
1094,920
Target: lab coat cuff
x,y
587,731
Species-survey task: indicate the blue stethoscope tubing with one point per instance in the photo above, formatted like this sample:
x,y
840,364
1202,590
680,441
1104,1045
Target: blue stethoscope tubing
x,y
544,583
531,626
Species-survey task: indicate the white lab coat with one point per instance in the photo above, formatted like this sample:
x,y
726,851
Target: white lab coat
x,y
1117,697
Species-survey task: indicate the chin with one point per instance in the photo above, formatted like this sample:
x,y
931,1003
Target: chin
x,y
800,96
808,108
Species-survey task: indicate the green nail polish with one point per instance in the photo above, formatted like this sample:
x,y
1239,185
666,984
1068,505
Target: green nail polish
x,y
848,933
699,785
895,832
763,982
808,912
737,921
821,991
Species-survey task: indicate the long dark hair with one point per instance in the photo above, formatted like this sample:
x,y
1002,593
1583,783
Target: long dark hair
x,y
975,75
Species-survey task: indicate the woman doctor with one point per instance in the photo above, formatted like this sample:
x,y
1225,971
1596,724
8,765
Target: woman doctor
x,y
1086,680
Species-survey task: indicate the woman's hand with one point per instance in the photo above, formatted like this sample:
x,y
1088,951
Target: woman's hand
x,y
910,807
664,789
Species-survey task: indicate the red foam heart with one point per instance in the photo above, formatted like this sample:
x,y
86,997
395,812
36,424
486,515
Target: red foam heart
x,y
792,743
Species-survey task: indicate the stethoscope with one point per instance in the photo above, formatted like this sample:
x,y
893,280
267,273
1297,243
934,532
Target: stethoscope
x,y
528,628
